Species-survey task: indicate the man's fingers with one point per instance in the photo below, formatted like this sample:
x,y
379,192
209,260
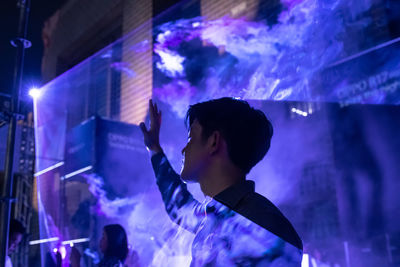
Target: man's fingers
x,y
155,115
151,109
143,128
152,114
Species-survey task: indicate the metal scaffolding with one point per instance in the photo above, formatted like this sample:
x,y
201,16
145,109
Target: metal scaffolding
x,y
21,44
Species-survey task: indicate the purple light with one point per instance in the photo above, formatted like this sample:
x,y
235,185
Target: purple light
x,y
255,60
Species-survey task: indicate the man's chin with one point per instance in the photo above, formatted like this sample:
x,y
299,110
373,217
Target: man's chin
x,y
187,178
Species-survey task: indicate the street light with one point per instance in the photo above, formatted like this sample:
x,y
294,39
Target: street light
x,y
35,93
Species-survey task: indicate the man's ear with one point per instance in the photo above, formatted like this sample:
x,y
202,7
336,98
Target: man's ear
x,y
214,142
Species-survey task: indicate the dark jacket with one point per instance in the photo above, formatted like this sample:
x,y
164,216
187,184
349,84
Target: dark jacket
x,y
238,227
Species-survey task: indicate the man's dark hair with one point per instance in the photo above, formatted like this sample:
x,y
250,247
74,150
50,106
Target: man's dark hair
x,y
16,227
246,130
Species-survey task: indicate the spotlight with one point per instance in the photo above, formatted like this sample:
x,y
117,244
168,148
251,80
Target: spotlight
x,y
35,93
63,252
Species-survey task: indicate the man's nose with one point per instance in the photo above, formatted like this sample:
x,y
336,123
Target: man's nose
x,y
183,150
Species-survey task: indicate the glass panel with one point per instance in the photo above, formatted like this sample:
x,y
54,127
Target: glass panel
x,y
326,73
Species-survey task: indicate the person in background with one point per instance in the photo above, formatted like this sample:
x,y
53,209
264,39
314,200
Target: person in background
x,y
113,244
17,231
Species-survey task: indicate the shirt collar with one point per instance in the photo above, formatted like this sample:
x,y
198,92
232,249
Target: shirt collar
x,y
231,196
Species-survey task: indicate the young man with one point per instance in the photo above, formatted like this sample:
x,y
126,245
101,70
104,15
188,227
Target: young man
x,y
236,226
17,231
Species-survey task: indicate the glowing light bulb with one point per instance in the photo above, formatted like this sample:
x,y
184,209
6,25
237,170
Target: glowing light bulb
x,y
63,252
35,93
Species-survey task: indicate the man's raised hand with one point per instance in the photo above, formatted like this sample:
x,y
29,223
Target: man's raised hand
x,y
152,135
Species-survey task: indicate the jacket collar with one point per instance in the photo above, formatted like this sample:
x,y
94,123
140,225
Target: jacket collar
x,y
231,196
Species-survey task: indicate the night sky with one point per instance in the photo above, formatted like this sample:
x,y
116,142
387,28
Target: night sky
x,y
40,11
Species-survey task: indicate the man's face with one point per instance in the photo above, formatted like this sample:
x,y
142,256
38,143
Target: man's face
x,y
15,239
194,153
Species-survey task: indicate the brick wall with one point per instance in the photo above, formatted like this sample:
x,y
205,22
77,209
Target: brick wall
x,y
69,28
137,52
214,9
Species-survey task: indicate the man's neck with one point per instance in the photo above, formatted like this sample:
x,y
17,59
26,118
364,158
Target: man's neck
x,y
217,181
